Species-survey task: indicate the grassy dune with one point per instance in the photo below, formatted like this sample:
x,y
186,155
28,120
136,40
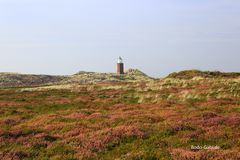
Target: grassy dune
x,y
157,119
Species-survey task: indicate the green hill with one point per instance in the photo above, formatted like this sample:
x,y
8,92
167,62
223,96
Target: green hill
x,y
188,74
21,80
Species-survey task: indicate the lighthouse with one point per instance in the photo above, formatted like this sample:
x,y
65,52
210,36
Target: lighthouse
x,y
120,66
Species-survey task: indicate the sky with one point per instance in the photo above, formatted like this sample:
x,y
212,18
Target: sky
x,y
62,37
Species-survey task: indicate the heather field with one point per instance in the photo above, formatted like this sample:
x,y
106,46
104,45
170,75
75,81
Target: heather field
x,y
172,118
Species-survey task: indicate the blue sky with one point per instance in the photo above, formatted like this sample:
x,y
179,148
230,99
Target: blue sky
x,y
156,36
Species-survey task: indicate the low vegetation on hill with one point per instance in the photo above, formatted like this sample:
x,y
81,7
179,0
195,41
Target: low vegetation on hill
x,y
25,80
207,74
21,80
137,118
93,77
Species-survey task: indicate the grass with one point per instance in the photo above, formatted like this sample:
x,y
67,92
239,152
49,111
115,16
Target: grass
x,y
158,119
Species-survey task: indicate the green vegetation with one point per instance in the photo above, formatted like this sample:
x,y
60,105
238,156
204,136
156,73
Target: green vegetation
x,y
207,74
125,119
24,80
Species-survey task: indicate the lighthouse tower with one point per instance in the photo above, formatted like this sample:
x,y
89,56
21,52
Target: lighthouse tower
x,y
120,66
